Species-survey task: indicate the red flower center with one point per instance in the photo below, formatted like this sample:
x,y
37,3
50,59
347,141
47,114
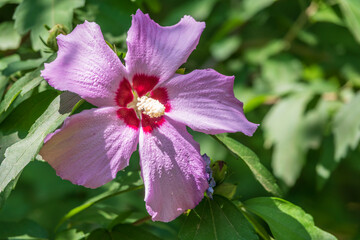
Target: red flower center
x,y
153,102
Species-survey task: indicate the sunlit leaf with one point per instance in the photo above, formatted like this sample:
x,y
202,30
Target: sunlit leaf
x,y
17,125
351,12
346,127
286,220
25,65
326,13
223,49
18,155
283,128
18,91
9,38
23,85
281,72
260,172
5,61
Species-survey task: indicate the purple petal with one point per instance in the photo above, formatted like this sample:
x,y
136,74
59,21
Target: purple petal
x,y
86,65
159,51
172,169
91,147
204,100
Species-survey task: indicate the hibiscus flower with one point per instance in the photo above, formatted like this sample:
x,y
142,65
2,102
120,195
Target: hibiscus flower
x,y
144,102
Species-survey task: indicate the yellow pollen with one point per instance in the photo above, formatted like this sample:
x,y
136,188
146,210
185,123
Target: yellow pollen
x,y
150,106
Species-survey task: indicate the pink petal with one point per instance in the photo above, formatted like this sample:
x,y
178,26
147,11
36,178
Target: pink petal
x,y
204,100
172,169
91,147
159,51
86,65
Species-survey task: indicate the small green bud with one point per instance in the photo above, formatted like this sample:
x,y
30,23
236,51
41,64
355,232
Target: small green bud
x,y
180,71
54,32
219,169
225,189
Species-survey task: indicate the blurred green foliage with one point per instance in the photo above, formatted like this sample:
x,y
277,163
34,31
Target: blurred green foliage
x,y
297,70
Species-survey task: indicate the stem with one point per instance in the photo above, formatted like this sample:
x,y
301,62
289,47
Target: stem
x,y
141,221
300,23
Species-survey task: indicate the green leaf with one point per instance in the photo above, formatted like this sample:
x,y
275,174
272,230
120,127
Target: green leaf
x,y
18,155
326,13
9,38
32,15
25,65
4,2
261,54
120,218
109,13
3,82
18,91
128,182
327,163
8,189
250,8
99,233
130,232
30,79
286,220
200,10
70,234
346,127
259,228
5,61
216,219
281,72
223,49
260,172
17,125
22,86
25,229
351,12
283,128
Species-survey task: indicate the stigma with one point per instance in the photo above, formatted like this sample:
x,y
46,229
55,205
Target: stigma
x,y
150,107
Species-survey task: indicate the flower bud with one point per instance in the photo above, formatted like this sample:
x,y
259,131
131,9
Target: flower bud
x,y
219,169
54,32
226,189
